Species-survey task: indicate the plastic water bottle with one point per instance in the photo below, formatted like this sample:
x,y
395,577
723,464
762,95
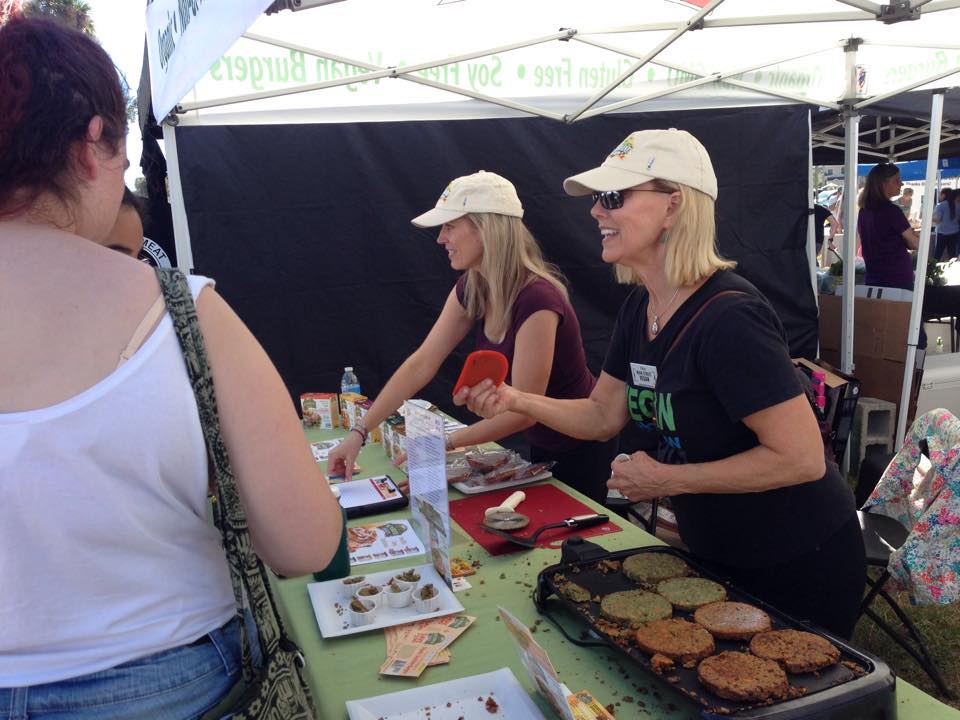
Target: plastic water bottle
x,y
349,382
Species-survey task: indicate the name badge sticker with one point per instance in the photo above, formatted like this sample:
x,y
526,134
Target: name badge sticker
x,y
644,375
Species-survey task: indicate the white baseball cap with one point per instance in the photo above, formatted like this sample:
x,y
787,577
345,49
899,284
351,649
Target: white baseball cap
x,y
673,155
482,192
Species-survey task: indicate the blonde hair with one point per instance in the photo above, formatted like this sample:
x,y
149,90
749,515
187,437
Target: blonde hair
x,y
691,242
511,259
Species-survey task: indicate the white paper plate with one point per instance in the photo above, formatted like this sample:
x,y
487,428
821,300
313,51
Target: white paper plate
x,y
477,489
326,600
461,695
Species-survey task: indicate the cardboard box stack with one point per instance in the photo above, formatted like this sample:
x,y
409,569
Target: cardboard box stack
x,y
880,329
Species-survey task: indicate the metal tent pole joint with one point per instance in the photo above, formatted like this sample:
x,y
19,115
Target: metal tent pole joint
x,y
898,11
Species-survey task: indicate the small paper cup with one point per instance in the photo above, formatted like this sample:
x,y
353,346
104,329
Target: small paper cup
x,y
398,599
347,589
365,592
358,619
428,605
407,583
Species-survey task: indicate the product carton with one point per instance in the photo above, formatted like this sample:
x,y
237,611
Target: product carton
x,y
388,433
320,410
348,408
374,434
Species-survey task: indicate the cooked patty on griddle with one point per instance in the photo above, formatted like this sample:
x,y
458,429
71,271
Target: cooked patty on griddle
x,y
653,567
742,677
635,606
571,590
732,620
796,650
689,593
676,638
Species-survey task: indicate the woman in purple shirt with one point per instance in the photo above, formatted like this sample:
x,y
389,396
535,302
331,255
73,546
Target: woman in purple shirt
x,y
515,303
885,234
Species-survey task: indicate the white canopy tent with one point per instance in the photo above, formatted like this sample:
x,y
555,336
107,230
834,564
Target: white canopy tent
x,y
372,60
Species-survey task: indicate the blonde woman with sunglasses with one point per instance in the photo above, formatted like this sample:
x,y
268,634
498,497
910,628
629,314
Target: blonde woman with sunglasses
x,y
698,365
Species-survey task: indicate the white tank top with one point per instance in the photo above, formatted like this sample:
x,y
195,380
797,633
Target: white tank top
x,y
106,553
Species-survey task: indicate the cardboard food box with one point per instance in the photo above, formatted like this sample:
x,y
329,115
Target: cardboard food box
x,y
320,410
387,434
399,441
348,408
880,329
374,435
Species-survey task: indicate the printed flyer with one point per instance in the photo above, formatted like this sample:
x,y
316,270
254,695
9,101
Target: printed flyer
x,y
386,540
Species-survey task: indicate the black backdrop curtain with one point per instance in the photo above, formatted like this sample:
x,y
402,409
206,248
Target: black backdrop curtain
x,y
306,228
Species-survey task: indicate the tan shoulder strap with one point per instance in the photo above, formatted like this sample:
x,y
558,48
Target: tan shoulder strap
x,y
143,329
698,313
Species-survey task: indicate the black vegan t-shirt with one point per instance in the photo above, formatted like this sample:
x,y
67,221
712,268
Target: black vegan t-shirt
x,y
732,361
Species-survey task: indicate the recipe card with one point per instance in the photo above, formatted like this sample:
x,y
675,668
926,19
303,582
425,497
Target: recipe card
x,y
385,540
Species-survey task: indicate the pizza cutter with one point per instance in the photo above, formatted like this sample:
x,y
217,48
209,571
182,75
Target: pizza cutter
x,y
505,520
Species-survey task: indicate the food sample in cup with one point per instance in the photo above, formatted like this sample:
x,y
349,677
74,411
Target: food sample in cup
x,y
363,611
427,598
410,578
349,585
398,595
368,592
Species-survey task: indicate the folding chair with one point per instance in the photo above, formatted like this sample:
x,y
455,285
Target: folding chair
x,y
881,536
911,527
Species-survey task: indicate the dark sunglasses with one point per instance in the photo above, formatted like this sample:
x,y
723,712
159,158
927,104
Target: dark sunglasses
x,y
613,199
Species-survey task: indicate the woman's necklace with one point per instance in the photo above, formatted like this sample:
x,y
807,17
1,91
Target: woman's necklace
x,y
655,325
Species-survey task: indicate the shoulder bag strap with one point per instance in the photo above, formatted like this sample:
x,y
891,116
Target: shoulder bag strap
x,y
698,313
655,503
247,571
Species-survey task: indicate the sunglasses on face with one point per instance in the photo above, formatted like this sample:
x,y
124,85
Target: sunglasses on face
x,y
613,199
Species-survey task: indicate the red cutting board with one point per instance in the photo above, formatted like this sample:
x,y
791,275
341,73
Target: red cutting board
x,y
545,504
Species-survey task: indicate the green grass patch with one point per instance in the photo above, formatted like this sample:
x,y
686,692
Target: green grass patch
x,y
940,627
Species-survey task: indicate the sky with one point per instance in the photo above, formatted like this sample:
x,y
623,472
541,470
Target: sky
x,y
120,27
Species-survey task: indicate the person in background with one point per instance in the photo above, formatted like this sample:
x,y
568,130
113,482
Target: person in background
x,y
699,363
514,302
905,201
946,219
884,232
823,215
118,602
126,236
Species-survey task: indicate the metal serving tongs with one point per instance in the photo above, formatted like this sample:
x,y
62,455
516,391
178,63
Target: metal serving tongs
x,y
571,522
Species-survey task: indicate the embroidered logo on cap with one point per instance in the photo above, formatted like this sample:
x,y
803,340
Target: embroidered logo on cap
x,y
651,161
621,150
445,194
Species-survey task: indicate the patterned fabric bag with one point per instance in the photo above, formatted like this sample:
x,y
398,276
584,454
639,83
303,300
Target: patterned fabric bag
x,y
276,690
927,565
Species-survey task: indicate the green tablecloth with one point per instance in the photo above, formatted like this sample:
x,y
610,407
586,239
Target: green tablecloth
x,y
341,669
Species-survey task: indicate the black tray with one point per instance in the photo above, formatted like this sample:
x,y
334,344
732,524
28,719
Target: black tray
x,y
859,686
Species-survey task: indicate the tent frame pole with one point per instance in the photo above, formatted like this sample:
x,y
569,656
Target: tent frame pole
x,y
920,276
851,142
181,230
811,217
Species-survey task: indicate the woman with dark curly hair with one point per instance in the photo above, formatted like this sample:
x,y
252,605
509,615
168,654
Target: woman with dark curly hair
x,y
117,601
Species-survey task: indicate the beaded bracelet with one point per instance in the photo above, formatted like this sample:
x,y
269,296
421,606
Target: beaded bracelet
x,y
362,432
